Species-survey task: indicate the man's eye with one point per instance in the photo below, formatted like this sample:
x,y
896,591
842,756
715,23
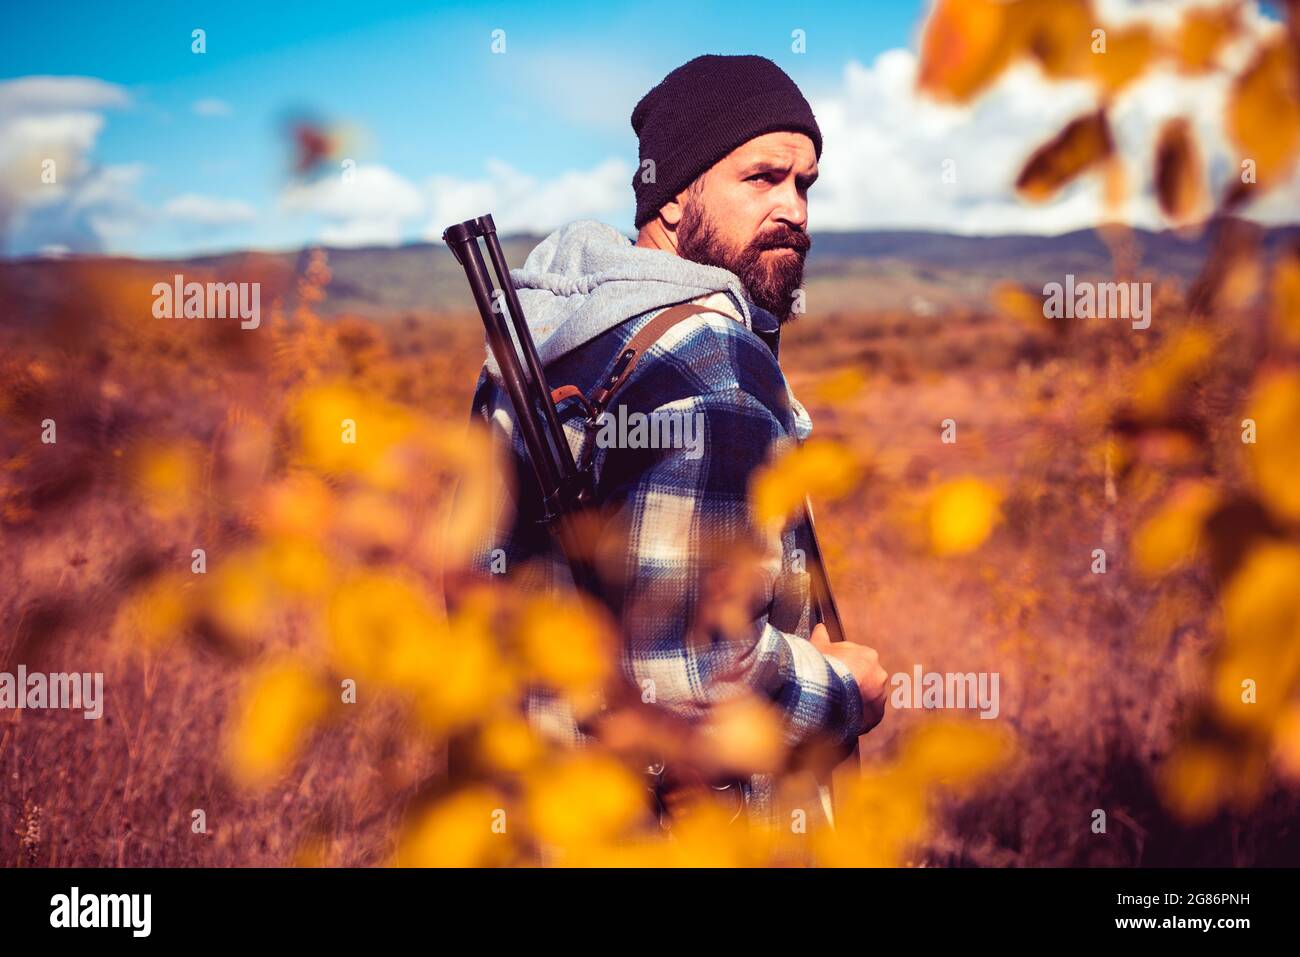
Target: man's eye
x,y
763,176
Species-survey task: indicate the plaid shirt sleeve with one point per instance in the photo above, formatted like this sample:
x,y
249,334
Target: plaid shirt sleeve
x,y
684,510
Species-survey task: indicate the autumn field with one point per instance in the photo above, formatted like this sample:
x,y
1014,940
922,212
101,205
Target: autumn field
x,y
262,536
221,743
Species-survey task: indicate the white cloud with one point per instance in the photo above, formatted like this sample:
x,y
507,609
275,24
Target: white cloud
x,y
369,208
106,200
522,203
363,232
210,106
51,192
884,147
209,210
52,94
42,158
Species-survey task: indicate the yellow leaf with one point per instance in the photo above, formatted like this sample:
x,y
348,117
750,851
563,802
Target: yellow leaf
x,y
509,743
1250,684
1286,298
1163,379
746,735
238,597
471,828
167,476
299,505
877,819
1058,33
819,467
1261,602
1202,34
961,515
1020,304
1169,539
1196,781
567,643
342,430
381,628
1275,456
472,679
1179,177
1261,615
1286,743
276,708
964,46
840,386
584,799
1264,113
297,567
703,835
954,753
1128,53
1083,144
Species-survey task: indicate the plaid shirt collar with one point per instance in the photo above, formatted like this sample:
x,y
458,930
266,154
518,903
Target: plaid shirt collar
x,y
761,322
768,328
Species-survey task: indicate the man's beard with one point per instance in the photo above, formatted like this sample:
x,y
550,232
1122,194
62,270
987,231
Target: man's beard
x,y
770,278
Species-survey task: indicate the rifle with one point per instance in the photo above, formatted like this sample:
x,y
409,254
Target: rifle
x,y
566,488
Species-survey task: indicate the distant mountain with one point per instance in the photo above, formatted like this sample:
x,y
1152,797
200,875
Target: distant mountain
x,y
912,270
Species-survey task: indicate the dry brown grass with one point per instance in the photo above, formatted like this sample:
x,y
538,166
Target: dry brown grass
x,y
1096,670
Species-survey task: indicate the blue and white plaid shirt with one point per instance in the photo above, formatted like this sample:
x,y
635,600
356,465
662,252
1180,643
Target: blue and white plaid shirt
x,y
676,508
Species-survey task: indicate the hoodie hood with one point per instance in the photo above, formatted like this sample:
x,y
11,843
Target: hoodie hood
x,y
587,277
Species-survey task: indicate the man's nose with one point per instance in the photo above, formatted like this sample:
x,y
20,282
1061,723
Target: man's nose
x,y
793,208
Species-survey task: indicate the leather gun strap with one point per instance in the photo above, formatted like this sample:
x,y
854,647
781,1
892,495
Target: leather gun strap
x,y
638,345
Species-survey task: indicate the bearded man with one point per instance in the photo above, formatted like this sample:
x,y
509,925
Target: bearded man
x,y
729,149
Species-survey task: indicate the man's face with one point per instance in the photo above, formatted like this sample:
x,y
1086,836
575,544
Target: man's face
x,y
749,213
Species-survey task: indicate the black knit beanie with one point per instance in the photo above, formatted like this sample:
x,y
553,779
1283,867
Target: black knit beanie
x,y
702,111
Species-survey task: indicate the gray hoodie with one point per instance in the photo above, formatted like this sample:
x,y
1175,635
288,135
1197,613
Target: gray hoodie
x,y
587,277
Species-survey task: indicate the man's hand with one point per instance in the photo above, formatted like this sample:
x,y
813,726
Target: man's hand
x,y
864,663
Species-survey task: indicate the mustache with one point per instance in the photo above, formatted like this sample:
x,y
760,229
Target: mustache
x,y
786,238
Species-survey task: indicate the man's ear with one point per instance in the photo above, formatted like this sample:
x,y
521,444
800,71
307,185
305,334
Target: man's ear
x,y
671,211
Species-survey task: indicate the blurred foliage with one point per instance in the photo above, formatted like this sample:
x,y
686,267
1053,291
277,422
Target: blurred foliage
x,y
322,500
1244,522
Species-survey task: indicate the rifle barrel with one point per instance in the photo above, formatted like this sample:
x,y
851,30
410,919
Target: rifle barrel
x,y
563,454
464,245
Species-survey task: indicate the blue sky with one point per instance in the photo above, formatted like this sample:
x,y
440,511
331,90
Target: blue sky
x,y
437,120
417,83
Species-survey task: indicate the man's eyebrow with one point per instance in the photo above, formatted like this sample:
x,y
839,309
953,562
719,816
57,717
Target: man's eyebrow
x,y
766,166
769,166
